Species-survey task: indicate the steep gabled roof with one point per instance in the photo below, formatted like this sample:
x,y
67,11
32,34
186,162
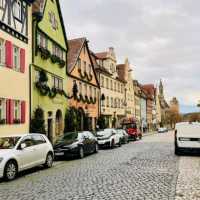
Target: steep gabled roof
x,y
150,89
75,47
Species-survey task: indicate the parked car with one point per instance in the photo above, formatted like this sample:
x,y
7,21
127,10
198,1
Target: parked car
x,y
108,138
123,136
162,130
76,144
130,125
187,137
18,153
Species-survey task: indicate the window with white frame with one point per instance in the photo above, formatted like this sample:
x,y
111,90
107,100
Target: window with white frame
x,y
2,52
107,101
85,66
2,109
102,81
57,83
90,69
79,63
53,21
37,75
42,40
107,83
80,88
16,57
111,85
90,91
85,88
18,9
111,102
57,51
17,110
2,3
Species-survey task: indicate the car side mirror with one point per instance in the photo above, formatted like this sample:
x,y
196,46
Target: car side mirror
x,y
22,146
113,133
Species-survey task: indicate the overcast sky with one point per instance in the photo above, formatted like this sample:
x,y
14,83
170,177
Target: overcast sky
x,y
161,39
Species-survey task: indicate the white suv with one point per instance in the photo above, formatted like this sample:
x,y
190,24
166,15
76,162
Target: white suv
x,y
21,152
108,138
187,137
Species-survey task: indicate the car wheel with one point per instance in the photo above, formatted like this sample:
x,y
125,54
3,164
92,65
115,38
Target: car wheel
x,y
112,144
81,153
10,171
140,137
96,148
49,160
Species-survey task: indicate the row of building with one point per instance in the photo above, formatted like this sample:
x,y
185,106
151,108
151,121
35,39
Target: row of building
x,y
43,74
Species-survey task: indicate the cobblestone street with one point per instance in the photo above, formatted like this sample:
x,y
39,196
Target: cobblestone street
x,y
144,169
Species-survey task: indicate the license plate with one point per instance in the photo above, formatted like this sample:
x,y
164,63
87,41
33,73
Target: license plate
x,y
59,154
101,142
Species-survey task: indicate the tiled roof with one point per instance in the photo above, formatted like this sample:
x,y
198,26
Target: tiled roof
x,y
101,55
149,88
75,47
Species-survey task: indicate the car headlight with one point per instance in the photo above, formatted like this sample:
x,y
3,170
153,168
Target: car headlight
x,y
1,159
74,145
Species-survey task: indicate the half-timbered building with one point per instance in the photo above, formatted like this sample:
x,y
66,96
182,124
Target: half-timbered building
x,y
15,56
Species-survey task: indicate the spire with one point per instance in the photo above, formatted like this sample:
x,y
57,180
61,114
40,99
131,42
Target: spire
x,y
161,88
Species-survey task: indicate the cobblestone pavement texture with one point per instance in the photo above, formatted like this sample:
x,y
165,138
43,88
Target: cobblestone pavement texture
x,y
145,169
188,184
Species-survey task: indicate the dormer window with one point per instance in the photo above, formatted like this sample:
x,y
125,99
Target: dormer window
x,y
18,10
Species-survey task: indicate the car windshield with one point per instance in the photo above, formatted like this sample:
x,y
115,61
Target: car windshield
x,y
8,142
106,133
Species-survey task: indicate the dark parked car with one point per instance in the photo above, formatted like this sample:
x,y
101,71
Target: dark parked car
x,y
76,144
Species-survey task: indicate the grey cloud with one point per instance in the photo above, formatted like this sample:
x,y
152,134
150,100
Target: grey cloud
x,y
161,38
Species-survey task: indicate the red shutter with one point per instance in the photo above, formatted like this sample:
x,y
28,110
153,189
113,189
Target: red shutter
x,y
9,54
22,60
11,110
7,111
23,112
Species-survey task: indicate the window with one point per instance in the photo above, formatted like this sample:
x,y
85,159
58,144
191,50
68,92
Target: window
x,y
37,76
95,93
90,90
17,113
28,141
118,87
57,51
2,3
17,10
111,102
53,21
57,83
42,41
2,52
80,88
111,85
107,101
2,109
38,139
85,86
85,66
102,81
90,69
79,63
107,84
16,57
115,87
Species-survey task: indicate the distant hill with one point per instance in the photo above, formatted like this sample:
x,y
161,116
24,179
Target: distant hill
x,y
195,116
